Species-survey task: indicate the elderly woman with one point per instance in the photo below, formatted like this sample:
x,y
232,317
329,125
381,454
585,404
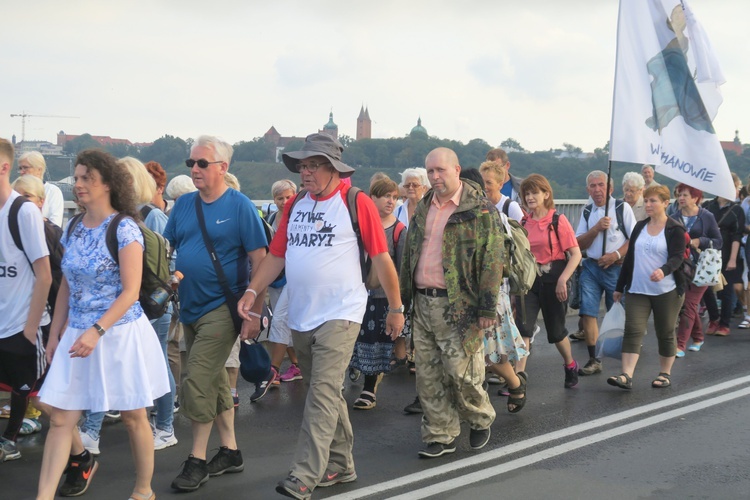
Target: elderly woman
x,y
33,163
179,185
651,283
632,189
416,184
494,176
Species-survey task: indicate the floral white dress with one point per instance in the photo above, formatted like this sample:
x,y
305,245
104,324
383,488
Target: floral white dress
x,y
504,342
126,370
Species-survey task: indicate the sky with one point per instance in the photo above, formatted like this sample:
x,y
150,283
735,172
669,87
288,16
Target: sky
x,y
539,71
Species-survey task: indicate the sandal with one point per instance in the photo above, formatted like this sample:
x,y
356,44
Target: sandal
x,y
617,381
398,362
365,401
517,402
662,381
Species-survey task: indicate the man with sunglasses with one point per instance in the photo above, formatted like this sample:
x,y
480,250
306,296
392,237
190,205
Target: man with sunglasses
x,y
236,232
317,243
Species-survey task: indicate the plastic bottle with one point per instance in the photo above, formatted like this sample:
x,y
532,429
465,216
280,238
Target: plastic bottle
x,y
175,279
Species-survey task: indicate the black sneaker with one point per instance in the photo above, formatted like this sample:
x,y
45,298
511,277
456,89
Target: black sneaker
x,y
293,488
478,438
571,376
226,461
434,450
261,388
415,407
78,475
193,475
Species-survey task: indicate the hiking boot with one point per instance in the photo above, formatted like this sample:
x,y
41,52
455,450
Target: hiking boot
x,y
293,488
478,438
261,388
415,407
593,366
194,475
163,439
571,376
579,335
9,449
225,460
291,374
330,478
78,475
91,444
434,450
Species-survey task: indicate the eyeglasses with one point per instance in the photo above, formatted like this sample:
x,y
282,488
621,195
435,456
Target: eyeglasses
x,y
310,167
412,185
25,168
202,163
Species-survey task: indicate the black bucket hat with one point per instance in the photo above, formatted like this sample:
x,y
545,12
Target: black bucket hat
x,y
319,145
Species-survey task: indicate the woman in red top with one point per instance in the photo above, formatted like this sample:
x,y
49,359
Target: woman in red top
x,y
550,237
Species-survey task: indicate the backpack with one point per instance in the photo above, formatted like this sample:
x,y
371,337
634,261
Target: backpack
x,y
521,270
369,276
155,292
52,234
619,214
506,207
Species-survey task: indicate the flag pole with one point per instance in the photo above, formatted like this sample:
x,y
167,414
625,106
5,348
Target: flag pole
x,y
606,205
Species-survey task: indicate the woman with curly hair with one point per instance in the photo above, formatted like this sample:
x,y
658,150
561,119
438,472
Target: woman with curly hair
x,y
108,355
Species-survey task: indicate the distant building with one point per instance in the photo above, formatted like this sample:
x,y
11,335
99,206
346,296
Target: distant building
x,y
330,128
364,124
104,140
44,147
418,130
735,146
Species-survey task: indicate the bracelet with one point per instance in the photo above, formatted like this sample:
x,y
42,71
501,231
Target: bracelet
x,y
252,291
618,254
101,331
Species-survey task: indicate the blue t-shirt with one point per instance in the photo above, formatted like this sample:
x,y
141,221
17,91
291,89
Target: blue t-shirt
x,y
93,276
235,229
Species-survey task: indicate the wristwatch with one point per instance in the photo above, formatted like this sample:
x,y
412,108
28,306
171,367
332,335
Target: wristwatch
x,y
396,310
101,331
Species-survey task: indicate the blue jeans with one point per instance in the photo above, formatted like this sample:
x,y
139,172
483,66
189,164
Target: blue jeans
x,y
92,423
165,404
594,281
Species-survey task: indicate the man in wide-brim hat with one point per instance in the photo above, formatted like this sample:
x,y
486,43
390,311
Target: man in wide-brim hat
x,y
327,298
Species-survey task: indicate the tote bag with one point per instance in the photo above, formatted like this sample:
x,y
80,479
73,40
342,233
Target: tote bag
x,y
708,268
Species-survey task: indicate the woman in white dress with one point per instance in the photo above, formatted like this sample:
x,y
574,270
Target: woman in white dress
x,y
108,357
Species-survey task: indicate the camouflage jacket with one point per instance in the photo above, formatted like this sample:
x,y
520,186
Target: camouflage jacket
x,y
472,262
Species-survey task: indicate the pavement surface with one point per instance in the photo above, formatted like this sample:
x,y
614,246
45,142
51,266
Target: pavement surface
x,y
594,441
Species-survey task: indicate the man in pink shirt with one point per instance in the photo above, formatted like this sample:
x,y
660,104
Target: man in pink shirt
x,y
451,271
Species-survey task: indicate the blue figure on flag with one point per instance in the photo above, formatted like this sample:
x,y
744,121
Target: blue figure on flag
x,y
673,89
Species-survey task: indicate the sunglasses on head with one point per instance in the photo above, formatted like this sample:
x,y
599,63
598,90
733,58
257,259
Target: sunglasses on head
x,y
202,163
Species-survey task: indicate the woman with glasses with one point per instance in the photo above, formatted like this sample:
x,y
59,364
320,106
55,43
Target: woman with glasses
x,y
632,189
32,163
416,184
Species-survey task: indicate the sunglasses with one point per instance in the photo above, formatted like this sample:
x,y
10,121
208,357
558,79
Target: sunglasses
x,y
202,163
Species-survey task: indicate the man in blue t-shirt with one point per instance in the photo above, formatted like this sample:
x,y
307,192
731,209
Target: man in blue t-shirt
x,y
237,233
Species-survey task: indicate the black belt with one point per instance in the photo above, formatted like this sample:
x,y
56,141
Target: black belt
x,y
433,292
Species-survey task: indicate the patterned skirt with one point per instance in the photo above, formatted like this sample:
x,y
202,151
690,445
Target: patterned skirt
x,y
504,342
373,349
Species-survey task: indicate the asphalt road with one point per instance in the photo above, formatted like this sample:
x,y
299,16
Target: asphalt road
x,y
594,441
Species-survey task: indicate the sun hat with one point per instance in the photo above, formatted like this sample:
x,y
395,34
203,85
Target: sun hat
x,y
319,145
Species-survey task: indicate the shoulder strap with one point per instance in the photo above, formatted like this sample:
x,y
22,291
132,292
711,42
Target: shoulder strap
x,y
111,238
146,209
15,233
400,226
72,225
231,299
553,227
351,204
506,206
587,214
620,215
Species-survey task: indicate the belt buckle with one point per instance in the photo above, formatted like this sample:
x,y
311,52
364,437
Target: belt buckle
x,y
434,293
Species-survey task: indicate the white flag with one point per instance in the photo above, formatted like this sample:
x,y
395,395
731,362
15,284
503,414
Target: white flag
x,y
666,95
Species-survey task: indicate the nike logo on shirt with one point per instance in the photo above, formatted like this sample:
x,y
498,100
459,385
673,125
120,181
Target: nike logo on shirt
x,y
219,221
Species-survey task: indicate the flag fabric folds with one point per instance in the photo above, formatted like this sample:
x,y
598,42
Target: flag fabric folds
x,y
666,96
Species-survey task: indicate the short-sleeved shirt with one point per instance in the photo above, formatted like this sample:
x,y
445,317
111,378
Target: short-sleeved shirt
x,y
16,275
324,277
235,229
541,234
92,274
514,209
615,236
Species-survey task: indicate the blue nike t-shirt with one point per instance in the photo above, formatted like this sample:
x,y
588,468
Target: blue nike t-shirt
x,y
235,229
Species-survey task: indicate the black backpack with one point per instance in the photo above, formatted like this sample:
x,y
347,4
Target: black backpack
x,y
619,211
52,235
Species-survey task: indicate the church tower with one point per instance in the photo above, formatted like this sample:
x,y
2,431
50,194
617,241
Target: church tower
x,y
330,128
364,124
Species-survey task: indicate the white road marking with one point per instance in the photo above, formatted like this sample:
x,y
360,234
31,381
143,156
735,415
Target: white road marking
x,y
547,438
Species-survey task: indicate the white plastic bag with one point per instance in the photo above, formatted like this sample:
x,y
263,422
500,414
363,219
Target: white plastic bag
x,y
609,343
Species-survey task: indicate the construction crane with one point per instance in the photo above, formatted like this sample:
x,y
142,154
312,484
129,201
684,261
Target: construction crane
x,y
23,115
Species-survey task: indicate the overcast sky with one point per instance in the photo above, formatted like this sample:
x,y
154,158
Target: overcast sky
x,y
540,71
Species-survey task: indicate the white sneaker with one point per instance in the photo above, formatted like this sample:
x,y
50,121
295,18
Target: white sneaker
x,y
91,444
163,439
537,329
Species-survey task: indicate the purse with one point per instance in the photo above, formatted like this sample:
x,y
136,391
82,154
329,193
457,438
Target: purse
x,y
708,268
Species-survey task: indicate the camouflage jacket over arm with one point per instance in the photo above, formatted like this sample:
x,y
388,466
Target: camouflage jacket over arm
x,y
472,262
